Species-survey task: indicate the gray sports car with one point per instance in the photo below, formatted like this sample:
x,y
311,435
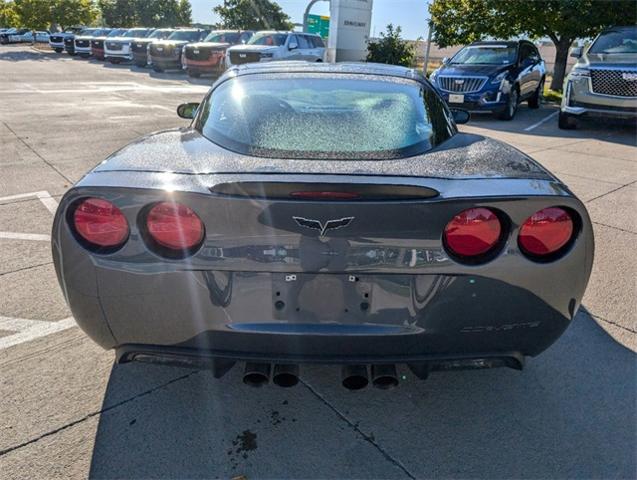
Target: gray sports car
x,y
322,213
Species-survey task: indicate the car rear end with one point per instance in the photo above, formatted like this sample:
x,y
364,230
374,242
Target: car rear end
x,y
56,42
165,55
211,270
82,46
118,50
205,58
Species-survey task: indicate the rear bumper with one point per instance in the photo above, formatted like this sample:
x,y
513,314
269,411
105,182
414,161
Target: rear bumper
x,y
166,63
120,55
212,65
322,318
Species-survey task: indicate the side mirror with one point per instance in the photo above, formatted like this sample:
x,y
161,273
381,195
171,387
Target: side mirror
x,y
187,110
576,52
445,60
293,46
460,116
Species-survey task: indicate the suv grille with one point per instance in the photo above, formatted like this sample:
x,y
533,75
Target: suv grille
x,y
139,47
98,43
198,53
81,43
617,83
114,45
161,50
68,40
461,84
244,57
56,39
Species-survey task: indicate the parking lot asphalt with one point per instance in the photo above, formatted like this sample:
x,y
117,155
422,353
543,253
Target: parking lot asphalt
x,y
66,411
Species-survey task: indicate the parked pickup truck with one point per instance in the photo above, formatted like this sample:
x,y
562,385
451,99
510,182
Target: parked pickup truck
x,y
209,56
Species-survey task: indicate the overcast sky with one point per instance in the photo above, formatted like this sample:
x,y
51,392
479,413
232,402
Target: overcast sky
x,y
411,15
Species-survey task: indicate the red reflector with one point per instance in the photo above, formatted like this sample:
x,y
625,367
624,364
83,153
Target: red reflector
x,y
174,226
473,232
325,195
100,223
546,231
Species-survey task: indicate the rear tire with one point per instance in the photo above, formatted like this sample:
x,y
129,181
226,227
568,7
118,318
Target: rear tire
x,y
566,121
512,106
59,50
536,99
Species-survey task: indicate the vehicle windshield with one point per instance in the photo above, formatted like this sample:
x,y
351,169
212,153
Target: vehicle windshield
x,y
118,32
88,31
486,55
223,37
317,116
616,41
188,35
161,33
272,39
136,32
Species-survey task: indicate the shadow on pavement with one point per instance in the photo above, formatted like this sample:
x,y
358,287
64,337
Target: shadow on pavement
x,y
20,55
570,414
613,130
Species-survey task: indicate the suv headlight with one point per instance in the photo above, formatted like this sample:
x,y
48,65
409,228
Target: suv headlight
x,y
499,77
433,76
579,72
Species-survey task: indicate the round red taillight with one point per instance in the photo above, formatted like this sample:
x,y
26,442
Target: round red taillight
x,y
545,232
174,226
472,232
100,223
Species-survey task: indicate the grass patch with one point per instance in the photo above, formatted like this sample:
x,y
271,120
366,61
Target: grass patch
x,y
551,96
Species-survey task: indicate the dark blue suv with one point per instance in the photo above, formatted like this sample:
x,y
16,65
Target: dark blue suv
x,y
492,77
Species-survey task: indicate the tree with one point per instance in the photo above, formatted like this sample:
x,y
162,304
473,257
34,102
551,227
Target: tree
x,y
118,13
391,48
8,15
563,21
67,13
184,12
253,15
33,14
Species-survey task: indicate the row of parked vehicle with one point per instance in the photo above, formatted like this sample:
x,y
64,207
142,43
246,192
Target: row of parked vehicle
x,y
197,51
496,76
22,35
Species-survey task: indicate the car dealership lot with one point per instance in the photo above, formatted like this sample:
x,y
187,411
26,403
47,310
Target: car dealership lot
x,y
67,411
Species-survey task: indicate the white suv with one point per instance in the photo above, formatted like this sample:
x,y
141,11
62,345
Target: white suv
x,y
271,45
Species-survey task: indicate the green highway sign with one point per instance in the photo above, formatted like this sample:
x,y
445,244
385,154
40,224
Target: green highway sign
x,y
318,24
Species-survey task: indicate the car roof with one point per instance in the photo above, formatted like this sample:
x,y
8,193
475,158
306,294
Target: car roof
x,y
297,66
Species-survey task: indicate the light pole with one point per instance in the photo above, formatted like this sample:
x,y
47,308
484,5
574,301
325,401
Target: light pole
x,y
428,49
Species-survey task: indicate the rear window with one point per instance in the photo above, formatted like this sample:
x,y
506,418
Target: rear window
x,y
273,39
223,37
161,34
136,32
324,116
187,35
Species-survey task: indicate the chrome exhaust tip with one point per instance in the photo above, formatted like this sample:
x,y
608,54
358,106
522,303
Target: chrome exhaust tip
x,y
256,374
285,375
354,377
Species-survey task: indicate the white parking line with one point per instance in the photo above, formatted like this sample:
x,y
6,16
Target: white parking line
x,y
45,197
27,330
545,119
38,237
